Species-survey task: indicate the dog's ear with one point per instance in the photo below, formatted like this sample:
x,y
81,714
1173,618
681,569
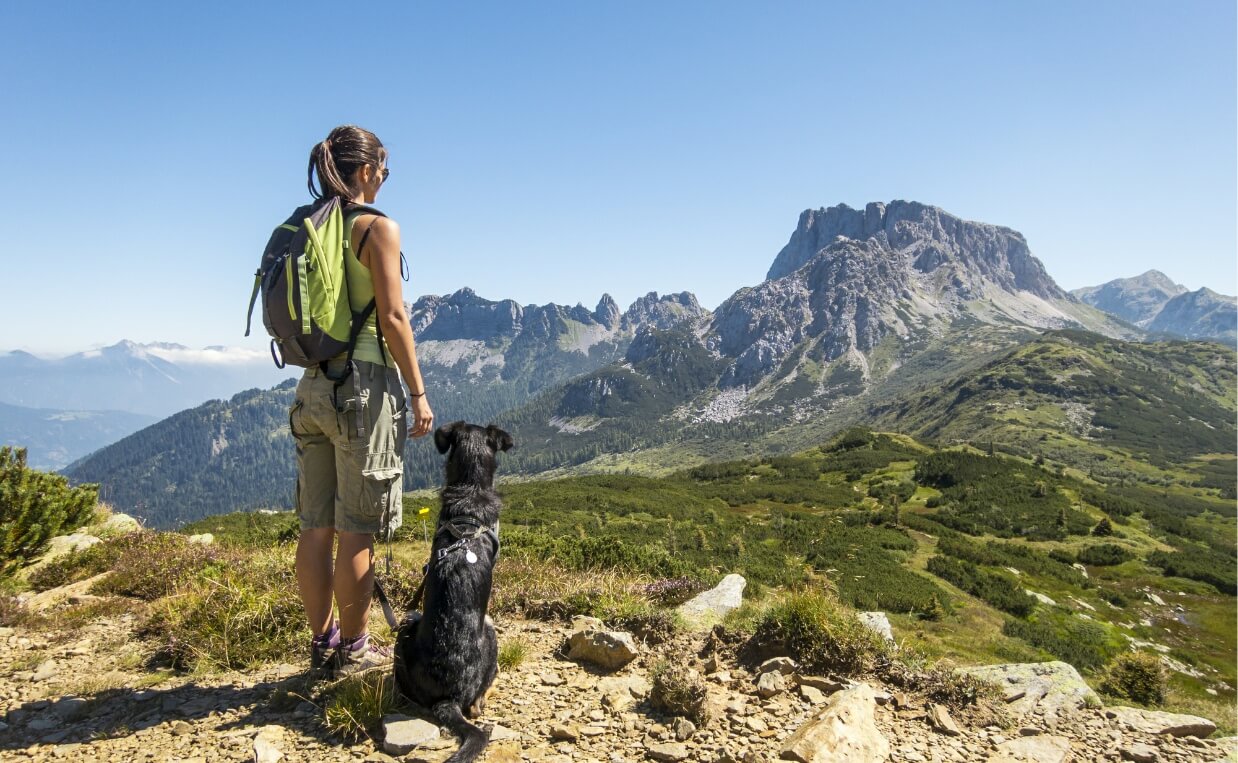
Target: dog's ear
x,y
445,436
497,439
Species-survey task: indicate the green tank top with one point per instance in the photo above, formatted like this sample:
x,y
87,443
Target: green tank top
x,y
360,292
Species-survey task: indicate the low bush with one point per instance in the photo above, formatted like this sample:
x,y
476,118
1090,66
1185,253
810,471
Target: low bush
x,y
819,632
672,592
678,690
151,565
36,506
1083,643
1204,565
997,589
1136,676
1104,555
235,616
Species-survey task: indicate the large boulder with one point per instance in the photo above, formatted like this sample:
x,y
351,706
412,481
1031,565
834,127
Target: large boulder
x,y
878,623
1050,688
608,649
1160,722
708,607
844,730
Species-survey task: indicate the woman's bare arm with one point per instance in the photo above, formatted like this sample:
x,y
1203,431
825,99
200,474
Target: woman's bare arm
x,y
382,255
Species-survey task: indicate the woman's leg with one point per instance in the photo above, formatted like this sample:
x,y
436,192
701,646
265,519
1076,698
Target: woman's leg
x,y
315,574
354,581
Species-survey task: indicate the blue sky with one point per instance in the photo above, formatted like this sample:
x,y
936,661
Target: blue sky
x,y
553,151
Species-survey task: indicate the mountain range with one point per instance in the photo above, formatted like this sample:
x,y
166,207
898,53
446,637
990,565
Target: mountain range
x,y
859,310
1154,302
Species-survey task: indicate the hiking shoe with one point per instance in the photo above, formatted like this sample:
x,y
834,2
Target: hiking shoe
x,y
359,655
322,650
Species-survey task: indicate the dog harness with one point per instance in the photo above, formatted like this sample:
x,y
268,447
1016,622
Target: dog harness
x,y
464,530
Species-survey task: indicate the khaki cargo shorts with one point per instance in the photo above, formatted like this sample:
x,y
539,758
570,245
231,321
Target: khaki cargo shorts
x,y
350,448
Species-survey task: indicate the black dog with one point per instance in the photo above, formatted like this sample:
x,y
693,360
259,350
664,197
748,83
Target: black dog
x,y
447,657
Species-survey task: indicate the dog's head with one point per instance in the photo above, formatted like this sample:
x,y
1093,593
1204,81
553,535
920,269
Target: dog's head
x,y
471,460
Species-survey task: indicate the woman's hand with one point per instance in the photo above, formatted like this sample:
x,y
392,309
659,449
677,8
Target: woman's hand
x,y
423,417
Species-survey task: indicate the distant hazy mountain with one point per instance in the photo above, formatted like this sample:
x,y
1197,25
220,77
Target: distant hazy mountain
x,y
1155,302
148,379
53,439
1137,300
1202,314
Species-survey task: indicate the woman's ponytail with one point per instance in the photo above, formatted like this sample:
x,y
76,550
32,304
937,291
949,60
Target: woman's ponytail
x,y
336,160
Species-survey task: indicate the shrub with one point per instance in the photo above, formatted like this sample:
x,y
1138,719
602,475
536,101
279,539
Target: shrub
x,y
820,633
997,589
1137,676
1103,528
655,626
1105,555
1082,643
1204,565
679,691
512,652
671,592
151,565
36,506
237,616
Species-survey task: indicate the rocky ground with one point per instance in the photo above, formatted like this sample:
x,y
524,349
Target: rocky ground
x,y
86,694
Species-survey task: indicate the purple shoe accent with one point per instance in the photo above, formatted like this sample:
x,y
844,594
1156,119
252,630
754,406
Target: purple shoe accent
x,y
322,650
330,639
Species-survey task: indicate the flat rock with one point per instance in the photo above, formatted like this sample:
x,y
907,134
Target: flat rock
x,y
1038,749
621,692
1139,752
845,730
784,665
1050,687
671,751
584,622
45,600
1161,722
63,545
118,524
939,718
708,607
608,649
401,734
1040,597
266,745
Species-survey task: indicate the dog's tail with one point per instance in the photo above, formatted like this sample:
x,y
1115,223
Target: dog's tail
x,y
474,739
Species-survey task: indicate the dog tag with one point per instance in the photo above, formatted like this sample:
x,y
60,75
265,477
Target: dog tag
x,y
470,557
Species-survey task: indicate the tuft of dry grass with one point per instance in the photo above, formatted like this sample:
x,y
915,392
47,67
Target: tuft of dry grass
x,y
355,705
513,652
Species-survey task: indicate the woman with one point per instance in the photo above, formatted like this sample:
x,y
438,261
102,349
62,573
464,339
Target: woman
x,y
350,437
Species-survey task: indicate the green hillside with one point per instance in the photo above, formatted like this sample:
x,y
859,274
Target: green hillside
x,y
951,543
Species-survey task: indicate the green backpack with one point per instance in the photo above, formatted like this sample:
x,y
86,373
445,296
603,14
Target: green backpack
x,y
304,285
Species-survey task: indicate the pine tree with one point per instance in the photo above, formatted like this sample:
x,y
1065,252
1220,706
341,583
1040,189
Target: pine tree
x,y
1104,528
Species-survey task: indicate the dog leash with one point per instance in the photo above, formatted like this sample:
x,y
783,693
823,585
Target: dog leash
x,y
379,593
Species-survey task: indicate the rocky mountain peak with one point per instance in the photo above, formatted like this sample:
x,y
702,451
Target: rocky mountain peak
x,y
663,312
928,238
607,312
